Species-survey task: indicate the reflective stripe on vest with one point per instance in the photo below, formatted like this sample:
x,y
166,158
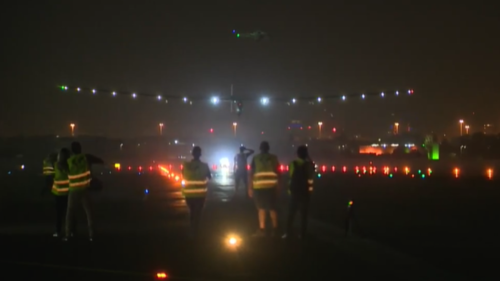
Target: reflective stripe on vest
x,y
60,186
194,187
195,182
265,180
80,180
48,170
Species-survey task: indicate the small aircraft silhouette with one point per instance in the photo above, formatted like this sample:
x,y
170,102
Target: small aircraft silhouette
x,y
256,35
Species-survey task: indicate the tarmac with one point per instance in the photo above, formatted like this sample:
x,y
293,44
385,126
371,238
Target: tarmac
x,y
139,234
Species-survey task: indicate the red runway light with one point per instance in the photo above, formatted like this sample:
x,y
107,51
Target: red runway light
x,y
140,168
130,168
333,168
344,169
150,168
248,167
323,168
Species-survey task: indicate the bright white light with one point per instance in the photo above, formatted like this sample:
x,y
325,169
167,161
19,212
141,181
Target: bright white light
x,y
185,99
78,89
215,100
175,141
397,93
134,95
382,94
93,91
363,96
22,167
293,100
264,101
114,94
319,99
343,97
65,87
224,166
159,97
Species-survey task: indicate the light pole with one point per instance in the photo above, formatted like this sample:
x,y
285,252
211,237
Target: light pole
x,y
467,127
461,126
72,126
396,128
234,128
320,124
161,128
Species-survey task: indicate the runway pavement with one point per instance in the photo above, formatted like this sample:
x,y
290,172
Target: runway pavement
x,y
139,234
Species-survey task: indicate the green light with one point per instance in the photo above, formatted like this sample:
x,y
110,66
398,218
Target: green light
x,y
423,176
63,87
319,175
390,175
435,152
419,171
238,35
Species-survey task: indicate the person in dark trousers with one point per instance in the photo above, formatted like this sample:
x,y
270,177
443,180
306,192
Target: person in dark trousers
x,y
195,177
60,189
240,169
301,173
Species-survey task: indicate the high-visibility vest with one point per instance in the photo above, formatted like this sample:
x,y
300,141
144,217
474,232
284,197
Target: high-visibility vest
x,y
48,167
195,180
79,173
310,171
61,182
264,174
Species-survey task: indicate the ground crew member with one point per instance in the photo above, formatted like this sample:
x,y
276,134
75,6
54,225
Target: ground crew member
x,y
195,174
60,189
264,189
48,171
79,181
300,187
240,168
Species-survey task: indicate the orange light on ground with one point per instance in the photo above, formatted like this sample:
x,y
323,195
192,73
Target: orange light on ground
x,y
490,173
371,170
407,170
161,275
456,171
176,178
118,166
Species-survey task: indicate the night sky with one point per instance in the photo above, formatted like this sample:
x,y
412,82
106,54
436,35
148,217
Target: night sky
x,y
447,51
